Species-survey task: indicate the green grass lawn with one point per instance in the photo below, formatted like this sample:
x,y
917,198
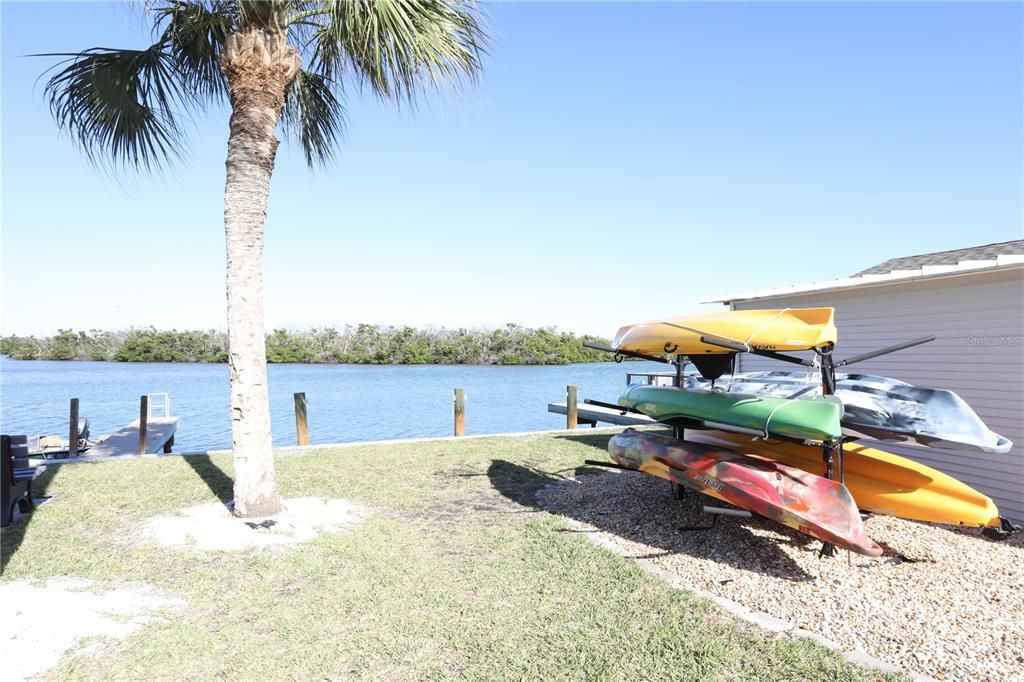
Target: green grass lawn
x,y
456,574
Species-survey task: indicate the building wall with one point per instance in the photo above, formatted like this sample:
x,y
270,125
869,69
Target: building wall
x,y
978,320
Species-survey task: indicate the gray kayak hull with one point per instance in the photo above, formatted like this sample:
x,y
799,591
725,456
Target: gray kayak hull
x,y
880,408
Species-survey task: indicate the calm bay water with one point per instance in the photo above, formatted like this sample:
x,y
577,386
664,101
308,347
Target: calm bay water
x,y
346,402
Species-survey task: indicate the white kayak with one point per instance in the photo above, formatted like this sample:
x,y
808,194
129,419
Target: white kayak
x,y
880,408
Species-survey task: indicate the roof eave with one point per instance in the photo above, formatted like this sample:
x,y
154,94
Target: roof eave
x,y
927,272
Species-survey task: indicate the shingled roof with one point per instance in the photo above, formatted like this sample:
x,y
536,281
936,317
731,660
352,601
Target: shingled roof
x,y
973,253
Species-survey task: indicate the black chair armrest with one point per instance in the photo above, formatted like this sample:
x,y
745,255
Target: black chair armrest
x,y
27,474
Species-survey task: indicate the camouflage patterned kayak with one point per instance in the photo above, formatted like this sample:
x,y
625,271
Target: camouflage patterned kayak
x,y
880,408
811,504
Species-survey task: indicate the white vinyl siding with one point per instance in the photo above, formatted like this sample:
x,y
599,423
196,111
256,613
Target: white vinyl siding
x,y
978,320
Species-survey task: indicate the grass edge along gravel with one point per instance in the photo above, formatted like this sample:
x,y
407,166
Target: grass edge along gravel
x,y
456,575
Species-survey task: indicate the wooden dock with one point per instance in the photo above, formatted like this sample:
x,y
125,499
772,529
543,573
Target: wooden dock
x,y
159,430
159,436
594,414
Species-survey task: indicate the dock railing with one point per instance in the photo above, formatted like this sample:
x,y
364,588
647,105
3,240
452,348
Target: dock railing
x,y
651,378
159,405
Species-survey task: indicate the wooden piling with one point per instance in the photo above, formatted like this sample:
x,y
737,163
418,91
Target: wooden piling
x,y
143,422
460,412
570,406
301,420
73,429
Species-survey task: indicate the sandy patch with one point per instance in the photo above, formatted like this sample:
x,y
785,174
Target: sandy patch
x,y
41,622
211,526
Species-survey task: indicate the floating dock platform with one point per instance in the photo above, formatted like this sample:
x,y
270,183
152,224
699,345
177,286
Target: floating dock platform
x,y
159,437
587,413
159,429
592,414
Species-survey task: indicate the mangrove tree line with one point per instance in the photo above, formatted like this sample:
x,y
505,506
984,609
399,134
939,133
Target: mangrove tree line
x,y
359,344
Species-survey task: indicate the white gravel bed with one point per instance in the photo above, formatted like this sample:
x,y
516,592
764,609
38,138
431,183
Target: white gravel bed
x,y
941,601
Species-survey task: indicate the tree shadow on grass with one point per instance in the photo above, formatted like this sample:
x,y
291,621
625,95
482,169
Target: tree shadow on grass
x,y
598,441
219,483
519,483
14,534
658,520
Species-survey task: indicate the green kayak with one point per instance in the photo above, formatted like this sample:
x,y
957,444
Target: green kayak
x,y
811,419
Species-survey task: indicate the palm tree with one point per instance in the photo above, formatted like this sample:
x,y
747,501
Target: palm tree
x,y
124,108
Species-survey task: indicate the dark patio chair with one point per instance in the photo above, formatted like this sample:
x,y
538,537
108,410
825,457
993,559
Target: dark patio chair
x,y
16,477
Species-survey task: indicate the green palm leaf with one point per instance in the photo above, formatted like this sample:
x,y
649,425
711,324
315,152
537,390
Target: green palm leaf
x,y
195,33
314,116
120,103
397,46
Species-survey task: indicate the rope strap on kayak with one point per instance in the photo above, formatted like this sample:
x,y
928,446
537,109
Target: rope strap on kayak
x,y
746,346
772,414
700,332
762,326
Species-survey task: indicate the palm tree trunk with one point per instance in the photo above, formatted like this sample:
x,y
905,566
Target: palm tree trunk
x,y
259,66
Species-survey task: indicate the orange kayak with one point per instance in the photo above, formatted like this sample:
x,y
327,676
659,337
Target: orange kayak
x,y
880,482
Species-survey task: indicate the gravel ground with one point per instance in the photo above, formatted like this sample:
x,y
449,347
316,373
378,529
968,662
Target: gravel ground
x,y
941,601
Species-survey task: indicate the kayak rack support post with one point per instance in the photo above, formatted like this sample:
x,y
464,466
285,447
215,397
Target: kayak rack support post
x,y
677,431
839,461
571,394
828,371
832,454
301,420
829,449
73,429
143,423
459,409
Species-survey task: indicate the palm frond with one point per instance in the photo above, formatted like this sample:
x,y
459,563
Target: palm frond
x,y
315,116
119,104
301,30
398,46
195,33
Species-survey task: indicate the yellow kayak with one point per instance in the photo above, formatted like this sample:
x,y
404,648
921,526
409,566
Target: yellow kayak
x,y
880,482
789,329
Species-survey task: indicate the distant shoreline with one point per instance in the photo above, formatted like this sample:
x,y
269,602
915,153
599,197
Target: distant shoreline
x,y
361,344
609,359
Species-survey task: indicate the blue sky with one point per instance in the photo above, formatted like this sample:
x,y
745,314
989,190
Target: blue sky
x,y
616,162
